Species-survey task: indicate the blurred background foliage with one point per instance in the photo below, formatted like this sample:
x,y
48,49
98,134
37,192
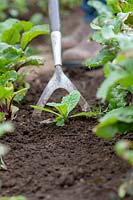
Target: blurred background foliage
x,y
33,10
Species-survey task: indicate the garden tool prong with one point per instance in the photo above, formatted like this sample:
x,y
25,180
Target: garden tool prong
x,y
59,79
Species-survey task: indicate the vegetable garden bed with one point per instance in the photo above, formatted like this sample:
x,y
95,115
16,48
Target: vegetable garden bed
x,y
67,163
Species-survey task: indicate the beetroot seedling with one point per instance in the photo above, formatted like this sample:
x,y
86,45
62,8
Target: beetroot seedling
x,y
64,108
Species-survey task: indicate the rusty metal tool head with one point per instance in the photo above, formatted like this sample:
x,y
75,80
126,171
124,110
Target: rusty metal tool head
x,y
59,79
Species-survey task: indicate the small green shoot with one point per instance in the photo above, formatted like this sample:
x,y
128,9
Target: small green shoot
x,y
64,108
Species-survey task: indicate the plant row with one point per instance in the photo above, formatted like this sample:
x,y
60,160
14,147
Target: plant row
x,y
15,53
32,10
113,30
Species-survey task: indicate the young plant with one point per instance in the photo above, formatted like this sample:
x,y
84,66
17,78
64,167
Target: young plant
x,y
8,95
113,30
7,109
64,108
15,37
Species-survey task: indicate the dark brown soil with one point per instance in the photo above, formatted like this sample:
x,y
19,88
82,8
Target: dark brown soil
x,y
67,163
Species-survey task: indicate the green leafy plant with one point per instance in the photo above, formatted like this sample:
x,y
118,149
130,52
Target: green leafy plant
x,y
113,30
121,6
15,37
27,9
114,34
7,96
64,108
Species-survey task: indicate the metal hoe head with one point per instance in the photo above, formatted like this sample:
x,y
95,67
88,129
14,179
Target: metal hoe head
x,y
59,79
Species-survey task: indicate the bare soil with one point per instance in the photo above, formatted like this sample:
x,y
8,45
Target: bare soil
x,y
61,163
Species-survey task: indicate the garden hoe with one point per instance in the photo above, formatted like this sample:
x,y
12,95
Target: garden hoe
x,y
59,79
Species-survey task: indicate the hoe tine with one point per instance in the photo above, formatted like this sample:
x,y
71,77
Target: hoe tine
x,y
59,80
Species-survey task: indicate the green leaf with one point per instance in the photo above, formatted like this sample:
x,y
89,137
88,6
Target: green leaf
x,y
62,108
103,57
115,121
5,92
71,100
121,6
7,24
123,16
23,26
107,32
117,25
9,54
32,33
125,41
121,114
25,61
44,109
60,121
18,95
97,36
128,21
106,131
125,59
7,77
12,35
126,6
100,7
84,114
117,97
2,116
53,104
117,77
108,68
115,5
94,25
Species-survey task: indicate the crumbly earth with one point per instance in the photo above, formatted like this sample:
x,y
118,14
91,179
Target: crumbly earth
x,y
46,162
61,163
